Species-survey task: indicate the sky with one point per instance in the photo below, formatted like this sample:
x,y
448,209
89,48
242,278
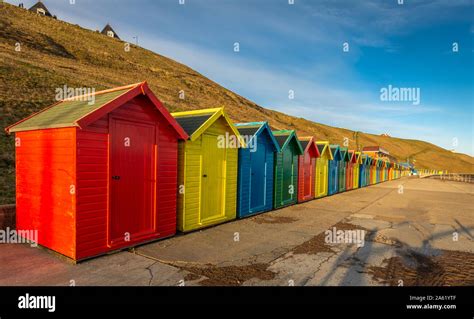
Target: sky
x,y
325,60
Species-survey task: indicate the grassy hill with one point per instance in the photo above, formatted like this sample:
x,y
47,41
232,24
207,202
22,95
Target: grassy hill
x,y
54,53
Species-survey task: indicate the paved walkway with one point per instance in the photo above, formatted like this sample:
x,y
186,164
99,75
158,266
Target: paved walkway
x,y
417,231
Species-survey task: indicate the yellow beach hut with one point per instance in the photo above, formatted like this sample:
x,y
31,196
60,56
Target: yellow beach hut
x,y
382,171
373,170
356,170
386,166
207,169
322,167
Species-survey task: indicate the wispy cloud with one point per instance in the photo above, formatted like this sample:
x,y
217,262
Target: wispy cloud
x,y
299,47
371,22
316,100
372,124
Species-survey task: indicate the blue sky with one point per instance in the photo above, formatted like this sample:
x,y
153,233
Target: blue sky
x,y
299,47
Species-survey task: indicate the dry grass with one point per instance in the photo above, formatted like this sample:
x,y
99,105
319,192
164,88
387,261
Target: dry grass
x,y
54,53
449,268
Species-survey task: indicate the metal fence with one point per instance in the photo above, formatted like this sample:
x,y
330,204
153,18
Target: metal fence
x,y
465,178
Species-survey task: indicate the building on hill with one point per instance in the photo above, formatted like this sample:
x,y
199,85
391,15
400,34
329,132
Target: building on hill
x,y
409,166
40,8
378,152
108,31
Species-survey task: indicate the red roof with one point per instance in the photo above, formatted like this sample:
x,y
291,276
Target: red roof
x,y
58,115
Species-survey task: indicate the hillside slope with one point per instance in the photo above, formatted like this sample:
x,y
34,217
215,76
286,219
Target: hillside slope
x,y
54,53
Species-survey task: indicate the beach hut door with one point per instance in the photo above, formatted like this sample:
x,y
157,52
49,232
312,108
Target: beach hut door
x,y
258,178
323,173
132,181
213,178
288,187
307,175
335,177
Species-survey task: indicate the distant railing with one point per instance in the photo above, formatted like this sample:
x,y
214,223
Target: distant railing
x,y
457,177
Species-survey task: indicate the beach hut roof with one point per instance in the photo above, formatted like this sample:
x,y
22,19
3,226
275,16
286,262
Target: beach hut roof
x,y
248,130
284,138
197,122
373,160
308,143
365,159
256,128
344,154
80,111
358,157
323,147
352,156
336,152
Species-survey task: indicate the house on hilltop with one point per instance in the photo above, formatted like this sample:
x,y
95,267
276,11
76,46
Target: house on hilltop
x,y
378,152
40,8
108,31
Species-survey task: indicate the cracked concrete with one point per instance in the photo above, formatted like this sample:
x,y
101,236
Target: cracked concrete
x,y
429,217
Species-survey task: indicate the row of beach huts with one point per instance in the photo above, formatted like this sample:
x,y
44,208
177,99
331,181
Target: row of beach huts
x,y
96,177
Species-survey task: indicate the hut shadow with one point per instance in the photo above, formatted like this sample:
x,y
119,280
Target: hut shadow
x,y
466,230
408,254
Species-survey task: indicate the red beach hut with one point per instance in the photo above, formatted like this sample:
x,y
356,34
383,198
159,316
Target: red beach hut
x,y
350,170
98,172
307,168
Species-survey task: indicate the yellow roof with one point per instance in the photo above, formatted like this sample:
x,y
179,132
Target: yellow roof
x,y
208,117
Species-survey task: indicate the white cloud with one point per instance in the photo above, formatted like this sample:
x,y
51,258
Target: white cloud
x,y
318,95
270,88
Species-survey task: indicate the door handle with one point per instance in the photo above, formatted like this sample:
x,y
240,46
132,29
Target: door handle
x,y
116,177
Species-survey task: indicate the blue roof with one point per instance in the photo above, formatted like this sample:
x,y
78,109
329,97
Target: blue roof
x,y
255,129
336,152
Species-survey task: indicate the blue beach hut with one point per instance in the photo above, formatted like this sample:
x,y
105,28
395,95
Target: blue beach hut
x,y
333,170
343,168
363,169
255,174
379,171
